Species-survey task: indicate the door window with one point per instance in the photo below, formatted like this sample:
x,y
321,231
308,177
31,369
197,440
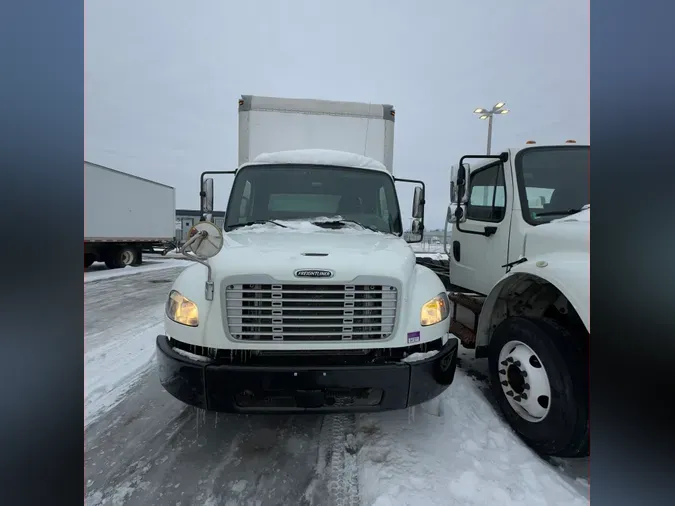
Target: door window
x,y
488,194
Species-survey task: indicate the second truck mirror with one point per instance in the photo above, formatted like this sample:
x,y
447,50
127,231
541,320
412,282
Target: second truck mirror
x,y
461,182
418,203
207,195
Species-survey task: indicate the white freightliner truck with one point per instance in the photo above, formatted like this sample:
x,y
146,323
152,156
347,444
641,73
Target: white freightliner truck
x,y
311,300
519,260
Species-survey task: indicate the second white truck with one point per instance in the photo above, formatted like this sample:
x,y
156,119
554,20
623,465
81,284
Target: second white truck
x,y
518,273
311,300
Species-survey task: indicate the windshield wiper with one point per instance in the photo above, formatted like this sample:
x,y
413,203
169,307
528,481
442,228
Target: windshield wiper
x,y
255,222
564,213
341,223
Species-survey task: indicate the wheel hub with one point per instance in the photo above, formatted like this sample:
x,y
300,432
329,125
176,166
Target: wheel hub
x,y
127,258
516,379
524,381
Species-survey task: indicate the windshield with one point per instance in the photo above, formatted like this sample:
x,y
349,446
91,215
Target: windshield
x,y
307,192
553,182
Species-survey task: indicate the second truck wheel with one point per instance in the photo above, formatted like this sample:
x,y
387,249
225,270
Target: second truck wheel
x,y
538,373
122,257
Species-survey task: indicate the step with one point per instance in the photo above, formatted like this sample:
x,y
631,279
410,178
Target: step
x,y
466,336
472,304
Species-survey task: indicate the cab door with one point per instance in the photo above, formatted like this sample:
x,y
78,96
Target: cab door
x,y
480,242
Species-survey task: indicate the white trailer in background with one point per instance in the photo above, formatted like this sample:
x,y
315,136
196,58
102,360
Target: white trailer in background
x,y
124,215
271,124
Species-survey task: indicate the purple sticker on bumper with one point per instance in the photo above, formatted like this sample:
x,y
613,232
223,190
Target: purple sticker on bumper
x,y
413,337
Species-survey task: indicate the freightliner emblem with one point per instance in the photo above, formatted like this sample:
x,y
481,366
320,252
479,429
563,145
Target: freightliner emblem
x,y
313,273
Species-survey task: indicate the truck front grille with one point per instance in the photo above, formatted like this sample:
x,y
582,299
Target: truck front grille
x,y
269,312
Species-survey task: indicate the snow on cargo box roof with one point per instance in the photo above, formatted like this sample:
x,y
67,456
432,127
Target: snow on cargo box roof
x,y
320,157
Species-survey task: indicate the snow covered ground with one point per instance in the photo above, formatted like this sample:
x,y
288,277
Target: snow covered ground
x,y
123,315
456,450
99,271
143,447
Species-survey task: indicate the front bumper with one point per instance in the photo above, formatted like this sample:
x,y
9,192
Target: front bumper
x,y
243,388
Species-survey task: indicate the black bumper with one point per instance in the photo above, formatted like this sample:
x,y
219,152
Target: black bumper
x,y
243,388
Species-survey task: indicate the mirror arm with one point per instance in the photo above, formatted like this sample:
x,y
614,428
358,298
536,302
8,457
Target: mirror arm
x,y
209,285
445,232
459,212
202,193
486,233
424,190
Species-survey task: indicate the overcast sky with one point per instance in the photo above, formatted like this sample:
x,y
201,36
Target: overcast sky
x,y
162,78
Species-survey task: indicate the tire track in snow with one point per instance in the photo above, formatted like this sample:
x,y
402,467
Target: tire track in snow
x,y
338,466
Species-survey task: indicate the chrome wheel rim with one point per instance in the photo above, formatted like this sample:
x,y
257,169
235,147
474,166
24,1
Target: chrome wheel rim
x,y
524,381
127,257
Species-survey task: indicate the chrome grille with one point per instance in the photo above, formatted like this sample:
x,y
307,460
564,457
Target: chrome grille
x,y
270,312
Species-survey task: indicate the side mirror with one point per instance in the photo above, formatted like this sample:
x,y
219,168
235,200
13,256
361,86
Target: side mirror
x,y
461,182
416,231
418,203
207,195
208,243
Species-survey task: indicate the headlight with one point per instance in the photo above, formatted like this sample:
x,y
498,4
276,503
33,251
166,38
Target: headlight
x,y
435,311
182,310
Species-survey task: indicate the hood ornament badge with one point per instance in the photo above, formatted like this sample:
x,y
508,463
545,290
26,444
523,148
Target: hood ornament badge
x,y
313,273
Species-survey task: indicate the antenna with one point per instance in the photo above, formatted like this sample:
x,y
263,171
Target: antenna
x,y
365,143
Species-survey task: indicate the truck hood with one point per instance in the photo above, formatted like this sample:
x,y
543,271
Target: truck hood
x,y
566,235
279,252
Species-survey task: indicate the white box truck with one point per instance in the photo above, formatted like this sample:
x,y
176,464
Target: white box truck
x,y
310,299
124,215
519,274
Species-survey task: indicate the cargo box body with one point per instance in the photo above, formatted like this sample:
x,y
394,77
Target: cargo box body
x,y
269,125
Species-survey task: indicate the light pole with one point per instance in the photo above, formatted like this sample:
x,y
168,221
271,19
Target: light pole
x,y
485,114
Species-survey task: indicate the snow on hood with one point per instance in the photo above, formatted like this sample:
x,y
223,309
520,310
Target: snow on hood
x,y
349,251
305,227
583,215
320,157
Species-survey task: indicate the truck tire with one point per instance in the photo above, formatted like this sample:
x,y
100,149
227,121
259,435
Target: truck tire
x,y
139,258
121,257
539,376
110,263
